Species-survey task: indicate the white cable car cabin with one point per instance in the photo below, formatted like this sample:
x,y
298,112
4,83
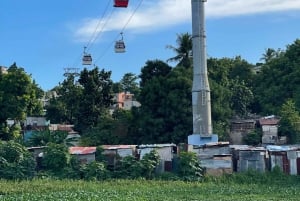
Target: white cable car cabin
x,y
120,46
121,3
87,59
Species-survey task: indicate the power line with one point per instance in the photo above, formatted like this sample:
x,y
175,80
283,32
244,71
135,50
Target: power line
x,y
95,35
122,30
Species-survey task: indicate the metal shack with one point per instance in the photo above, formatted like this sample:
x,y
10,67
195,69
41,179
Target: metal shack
x,y
84,155
287,158
166,153
113,153
239,128
215,157
269,126
249,158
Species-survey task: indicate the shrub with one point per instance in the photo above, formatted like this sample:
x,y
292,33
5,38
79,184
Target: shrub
x,y
189,166
56,157
149,163
16,162
94,171
129,167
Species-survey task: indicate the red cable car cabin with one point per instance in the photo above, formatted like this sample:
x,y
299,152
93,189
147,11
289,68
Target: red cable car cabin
x,y
121,3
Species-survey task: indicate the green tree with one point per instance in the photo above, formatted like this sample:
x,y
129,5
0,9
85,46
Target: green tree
x,y
129,83
289,124
56,157
183,51
42,138
94,171
96,97
278,81
218,71
18,98
165,115
16,162
270,54
253,138
241,98
149,163
102,133
64,106
189,166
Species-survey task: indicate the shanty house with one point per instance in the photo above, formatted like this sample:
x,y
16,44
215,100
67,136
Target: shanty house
x,y
84,155
113,153
249,158
287,158
239,129
166,153
269,126
214,157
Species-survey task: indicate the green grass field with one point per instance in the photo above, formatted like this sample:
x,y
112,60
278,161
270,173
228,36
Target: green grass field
x,y
244,187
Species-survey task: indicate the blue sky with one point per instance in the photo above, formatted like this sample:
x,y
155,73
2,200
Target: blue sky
x,y
44,37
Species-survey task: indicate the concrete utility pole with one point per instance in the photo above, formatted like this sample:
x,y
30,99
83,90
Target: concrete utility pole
x,y
202,125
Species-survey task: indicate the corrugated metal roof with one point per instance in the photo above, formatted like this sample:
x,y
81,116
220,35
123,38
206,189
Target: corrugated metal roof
x,y
271,121
246,148
113,147
242,121
156,145
82,150
281,148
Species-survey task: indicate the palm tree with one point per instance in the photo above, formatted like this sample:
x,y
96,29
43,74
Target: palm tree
x,y
183,51
269,55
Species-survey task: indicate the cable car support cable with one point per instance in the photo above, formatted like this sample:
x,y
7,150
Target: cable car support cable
x,y
122,30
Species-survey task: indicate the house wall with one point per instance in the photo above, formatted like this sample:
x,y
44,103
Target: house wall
x,y
211,150
36,121
125,152
85,158
239,129
270,134
285,160
165,154
216,160
236,137
251,160
217,165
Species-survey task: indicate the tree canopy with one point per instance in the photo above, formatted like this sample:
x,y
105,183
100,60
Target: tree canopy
x,y
19,97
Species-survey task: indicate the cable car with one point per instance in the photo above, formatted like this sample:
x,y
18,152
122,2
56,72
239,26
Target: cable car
x,y
87,58
120,45
121,3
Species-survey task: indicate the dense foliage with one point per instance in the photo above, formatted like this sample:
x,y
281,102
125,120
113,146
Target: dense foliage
x,y
19,97
164,92
243,187
15,161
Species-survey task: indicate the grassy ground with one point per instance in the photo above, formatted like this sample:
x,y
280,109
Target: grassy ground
x,y
235,187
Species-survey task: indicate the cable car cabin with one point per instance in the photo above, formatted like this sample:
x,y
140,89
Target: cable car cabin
x,y
121,3
120,46
87,59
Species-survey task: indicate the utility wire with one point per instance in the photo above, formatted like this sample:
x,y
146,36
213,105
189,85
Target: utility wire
x,y
94,35
122,30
